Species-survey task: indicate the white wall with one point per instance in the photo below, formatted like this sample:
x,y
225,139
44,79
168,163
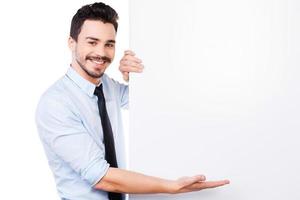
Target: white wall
x,y
219,95
34,54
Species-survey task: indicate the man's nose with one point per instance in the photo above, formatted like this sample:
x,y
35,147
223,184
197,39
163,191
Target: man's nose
x,y
100,50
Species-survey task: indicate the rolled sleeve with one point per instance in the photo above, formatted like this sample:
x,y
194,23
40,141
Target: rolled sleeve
x,y
95,172
62,130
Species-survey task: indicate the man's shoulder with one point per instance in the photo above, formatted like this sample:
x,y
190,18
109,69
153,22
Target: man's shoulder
x,y
106,79
111,82
56,93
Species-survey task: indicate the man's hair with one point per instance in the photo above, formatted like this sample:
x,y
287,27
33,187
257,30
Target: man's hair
x,y
96,11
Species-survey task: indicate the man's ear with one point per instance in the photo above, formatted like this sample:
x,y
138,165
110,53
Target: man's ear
x,y
71,44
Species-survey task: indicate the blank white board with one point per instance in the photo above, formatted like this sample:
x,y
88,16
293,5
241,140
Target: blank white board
x,y
220,95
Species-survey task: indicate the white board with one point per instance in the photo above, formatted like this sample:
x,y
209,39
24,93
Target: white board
x,y
220,95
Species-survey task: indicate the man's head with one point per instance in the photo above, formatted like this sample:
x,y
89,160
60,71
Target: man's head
x,y
92,39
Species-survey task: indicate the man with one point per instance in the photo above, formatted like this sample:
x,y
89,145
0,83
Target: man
x,y
79,121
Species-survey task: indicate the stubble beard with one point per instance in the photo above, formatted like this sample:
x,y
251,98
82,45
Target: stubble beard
x,y
89,72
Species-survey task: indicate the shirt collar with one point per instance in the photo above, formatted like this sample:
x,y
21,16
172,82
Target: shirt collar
x,y
82,83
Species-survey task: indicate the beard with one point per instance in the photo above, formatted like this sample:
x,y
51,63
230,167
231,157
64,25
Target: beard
x,y
91,73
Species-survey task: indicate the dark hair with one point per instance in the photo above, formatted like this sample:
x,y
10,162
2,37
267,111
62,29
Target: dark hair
x,y
95,11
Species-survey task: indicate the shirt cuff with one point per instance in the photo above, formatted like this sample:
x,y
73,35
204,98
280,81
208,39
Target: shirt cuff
x,y
95,171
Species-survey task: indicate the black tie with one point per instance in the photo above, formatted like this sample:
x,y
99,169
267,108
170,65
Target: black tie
x,y
110,152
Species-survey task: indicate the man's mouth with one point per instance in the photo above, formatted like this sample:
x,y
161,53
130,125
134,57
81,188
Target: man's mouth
x,y
99,60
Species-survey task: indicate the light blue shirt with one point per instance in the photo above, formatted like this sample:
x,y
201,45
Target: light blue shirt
x,y
70,129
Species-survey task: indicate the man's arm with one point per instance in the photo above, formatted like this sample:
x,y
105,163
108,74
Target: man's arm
x,y
124,181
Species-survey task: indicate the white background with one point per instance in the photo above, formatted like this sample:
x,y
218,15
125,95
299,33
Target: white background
x,y
219,95
34,54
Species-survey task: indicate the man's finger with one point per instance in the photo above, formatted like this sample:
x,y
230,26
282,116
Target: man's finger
x,y
208,184
127,68
129,52
133,64
132,58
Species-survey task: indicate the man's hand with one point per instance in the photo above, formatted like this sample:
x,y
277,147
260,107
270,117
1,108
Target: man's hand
x,y
130,63
194,183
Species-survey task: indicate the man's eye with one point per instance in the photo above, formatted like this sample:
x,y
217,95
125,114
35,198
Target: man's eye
x,y
92,43
110,45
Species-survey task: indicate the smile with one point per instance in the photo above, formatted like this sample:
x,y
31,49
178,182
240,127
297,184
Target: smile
x,y
97,61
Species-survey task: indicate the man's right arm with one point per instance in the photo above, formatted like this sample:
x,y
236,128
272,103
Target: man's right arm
x,y
124,181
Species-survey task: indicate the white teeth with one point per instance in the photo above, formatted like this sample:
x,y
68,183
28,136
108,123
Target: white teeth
x,y
98,62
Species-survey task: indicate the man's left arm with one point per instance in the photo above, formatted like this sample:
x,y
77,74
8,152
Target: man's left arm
x,y
129,63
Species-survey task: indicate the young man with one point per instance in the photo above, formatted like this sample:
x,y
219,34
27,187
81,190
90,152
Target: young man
x,y
79,120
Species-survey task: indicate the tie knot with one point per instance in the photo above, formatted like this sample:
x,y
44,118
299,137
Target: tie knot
x,y
99,91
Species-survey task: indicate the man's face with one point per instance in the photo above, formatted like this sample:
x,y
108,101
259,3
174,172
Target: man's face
x,y
94,49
